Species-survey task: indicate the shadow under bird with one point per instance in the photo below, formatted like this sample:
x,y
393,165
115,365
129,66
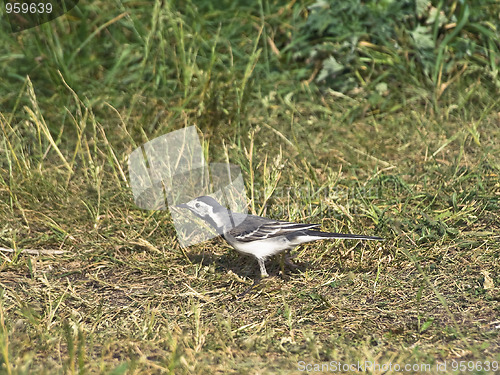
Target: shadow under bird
x,y
259,236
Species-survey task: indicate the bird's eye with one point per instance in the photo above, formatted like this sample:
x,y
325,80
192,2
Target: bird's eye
x,y
197,205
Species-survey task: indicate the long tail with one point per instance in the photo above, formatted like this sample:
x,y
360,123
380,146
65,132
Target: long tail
x,y
317,233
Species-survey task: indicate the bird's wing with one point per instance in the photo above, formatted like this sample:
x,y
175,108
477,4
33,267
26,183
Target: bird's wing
x,y
256,228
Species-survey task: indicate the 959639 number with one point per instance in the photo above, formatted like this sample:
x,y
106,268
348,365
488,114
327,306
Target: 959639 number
x,y
25,8
465,366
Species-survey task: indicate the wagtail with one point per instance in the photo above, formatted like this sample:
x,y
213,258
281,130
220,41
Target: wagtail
x,y
259,236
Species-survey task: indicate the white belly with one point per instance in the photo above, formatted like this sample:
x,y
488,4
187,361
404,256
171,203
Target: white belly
x,y
263,248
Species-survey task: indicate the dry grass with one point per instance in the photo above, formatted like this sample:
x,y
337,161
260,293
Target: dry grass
x,y
124,298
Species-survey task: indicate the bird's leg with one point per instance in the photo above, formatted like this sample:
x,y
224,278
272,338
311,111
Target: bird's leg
x,y
283,260
263,272
289,262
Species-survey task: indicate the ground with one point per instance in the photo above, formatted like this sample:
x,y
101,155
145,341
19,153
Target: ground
x,y
93,284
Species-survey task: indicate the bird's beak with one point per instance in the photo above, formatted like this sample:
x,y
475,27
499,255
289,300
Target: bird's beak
x,y
182,205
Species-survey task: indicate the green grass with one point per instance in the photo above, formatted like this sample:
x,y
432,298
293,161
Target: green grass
x,y
415,160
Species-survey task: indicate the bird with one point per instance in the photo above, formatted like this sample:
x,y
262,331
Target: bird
x,y
259,236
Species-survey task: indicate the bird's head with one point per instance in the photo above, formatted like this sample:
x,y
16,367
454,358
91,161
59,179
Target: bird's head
x,y
204,207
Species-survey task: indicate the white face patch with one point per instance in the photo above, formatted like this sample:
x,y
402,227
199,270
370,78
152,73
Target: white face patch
x,y
200,208
218,219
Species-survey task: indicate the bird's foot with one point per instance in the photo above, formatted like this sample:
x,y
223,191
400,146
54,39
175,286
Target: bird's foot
x,y
289,263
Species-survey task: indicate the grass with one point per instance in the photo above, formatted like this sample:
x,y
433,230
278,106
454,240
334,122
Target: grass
x,y
92,284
